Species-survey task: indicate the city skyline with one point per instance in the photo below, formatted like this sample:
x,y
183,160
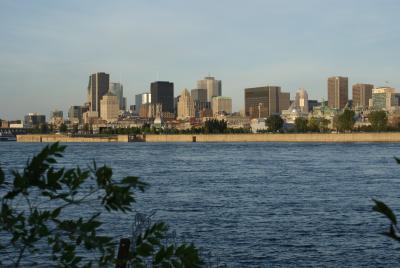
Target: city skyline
x,y
44,43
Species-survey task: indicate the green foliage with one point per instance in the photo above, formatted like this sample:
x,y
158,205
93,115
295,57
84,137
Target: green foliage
x,y
385,210
274,123
44,128
345,121
214,126
313,124
378,120
63,128
33,217
301,124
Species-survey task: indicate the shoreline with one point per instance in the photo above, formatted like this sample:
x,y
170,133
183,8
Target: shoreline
x,y
386,137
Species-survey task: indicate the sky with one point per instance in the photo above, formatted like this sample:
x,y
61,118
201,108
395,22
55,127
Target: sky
x,y
49,48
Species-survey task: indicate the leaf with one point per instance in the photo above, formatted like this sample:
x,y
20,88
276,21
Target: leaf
x,y
381,207
397,160
2,177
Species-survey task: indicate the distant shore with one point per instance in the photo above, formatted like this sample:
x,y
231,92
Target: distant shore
x,y
391,137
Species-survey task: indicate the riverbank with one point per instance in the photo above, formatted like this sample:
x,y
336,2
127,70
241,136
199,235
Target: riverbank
x,y
66,138
284,137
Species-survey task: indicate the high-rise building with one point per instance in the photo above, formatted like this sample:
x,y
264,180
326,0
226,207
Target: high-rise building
x,y
97,88
301,100
383,98
199,94
337,92
118,90
221,105
201,103
57,118
33,120
140,99
213,87
265,101
162,92
362,93
75,114
109,107
185,105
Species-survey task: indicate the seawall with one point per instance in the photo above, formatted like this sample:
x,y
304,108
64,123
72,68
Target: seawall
x,y
296,137
64,138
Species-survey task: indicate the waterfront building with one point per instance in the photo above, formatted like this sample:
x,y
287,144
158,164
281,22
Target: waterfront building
x,y
118,90
97,88
338,92
221,105
294,111
109,107
57,118
201,103
361,95
162,92
383,98
185,105
301,101
75,114
213,87
261,102
312,104
34,120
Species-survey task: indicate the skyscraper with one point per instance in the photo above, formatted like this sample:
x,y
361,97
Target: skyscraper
x,y
213,87
162,92
337,92
383,98
199,94
109,107
118,90
362,93
265,101
97,88
221,105
301,101
185,105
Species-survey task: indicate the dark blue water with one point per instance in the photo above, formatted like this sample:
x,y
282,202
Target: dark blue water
x,y
258,204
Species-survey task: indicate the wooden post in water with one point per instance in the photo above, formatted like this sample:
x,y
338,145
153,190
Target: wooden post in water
x,y
123,252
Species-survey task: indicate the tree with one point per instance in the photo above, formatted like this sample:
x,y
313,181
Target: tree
x,y
75,128
378,120
33,217
215,126
274,123
63,128
345,121
301,124
313,124
44,128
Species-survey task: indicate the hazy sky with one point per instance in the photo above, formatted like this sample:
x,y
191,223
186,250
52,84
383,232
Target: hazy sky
x,y
49,48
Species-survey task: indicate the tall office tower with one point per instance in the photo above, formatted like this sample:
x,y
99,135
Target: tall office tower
x,y
140,99
75,114
109,107
265,101
361,95
221,105
383,98
201,103
301,101
57,118
162,92
185,105
213,87
97,88
33,120
338,92
284,101
118,90
199,94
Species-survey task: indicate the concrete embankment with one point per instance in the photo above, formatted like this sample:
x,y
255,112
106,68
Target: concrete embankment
x,y
65,138
297,137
